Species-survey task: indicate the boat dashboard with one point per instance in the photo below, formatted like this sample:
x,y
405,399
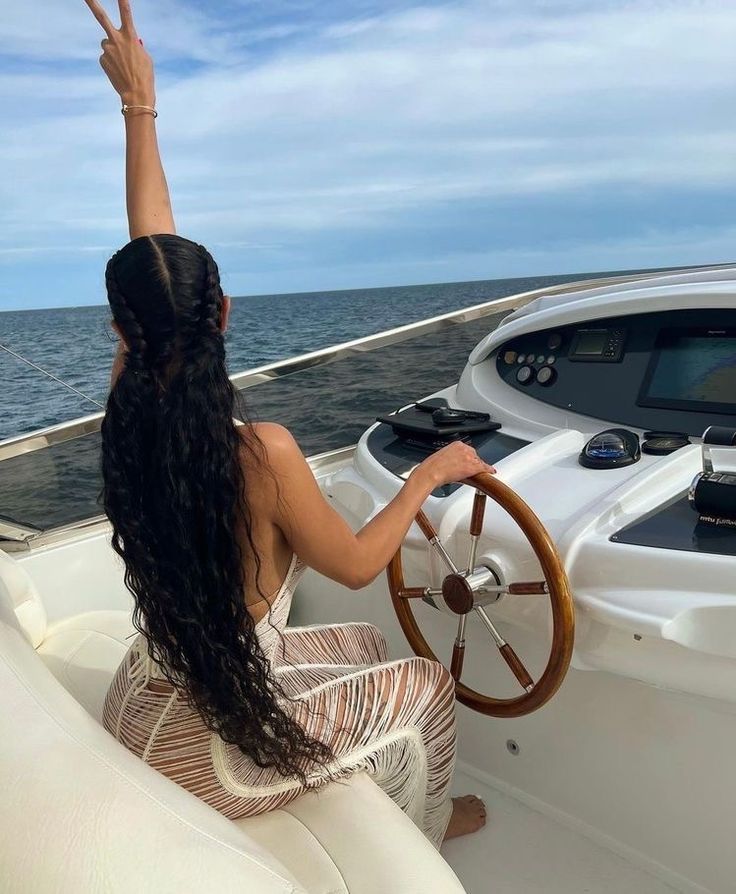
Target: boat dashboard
x,y
596,409
671,371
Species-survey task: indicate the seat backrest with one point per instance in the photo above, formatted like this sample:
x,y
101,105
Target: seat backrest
x,y
80,813
18,591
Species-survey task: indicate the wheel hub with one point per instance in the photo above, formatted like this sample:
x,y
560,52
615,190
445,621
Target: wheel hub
x,y
461,590
457,593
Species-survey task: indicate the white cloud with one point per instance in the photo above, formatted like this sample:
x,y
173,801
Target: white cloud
x,y
350,124
63,30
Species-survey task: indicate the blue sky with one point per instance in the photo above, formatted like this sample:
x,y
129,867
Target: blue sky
x,y
364,143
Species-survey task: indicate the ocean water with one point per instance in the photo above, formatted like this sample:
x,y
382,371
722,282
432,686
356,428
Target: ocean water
x,y
76,343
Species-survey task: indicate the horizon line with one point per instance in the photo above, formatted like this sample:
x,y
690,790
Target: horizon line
x,y
581,273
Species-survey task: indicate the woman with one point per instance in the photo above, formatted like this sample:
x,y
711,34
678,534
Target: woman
x,y
210,518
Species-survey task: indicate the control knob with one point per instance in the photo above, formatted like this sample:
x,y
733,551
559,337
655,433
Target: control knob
x,y
525,375
546,375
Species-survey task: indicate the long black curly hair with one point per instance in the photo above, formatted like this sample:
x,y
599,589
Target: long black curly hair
x,y
175,492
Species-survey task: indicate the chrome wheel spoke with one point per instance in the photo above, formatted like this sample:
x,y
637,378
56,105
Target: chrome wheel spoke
x,y
507,653
473,552
444,555
429,532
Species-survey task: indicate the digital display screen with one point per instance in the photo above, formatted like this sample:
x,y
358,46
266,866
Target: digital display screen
x,y
694,370
590,342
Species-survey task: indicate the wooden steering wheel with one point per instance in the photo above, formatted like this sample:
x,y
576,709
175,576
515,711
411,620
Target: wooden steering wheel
x,y
467,591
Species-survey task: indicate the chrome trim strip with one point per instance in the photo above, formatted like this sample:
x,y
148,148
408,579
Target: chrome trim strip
x,y
17,533
47,437
55,536
323,463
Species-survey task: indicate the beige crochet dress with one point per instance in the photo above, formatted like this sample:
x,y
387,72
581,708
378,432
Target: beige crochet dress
x,y
394,720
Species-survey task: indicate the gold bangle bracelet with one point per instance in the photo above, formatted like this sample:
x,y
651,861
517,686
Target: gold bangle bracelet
x,y
149,109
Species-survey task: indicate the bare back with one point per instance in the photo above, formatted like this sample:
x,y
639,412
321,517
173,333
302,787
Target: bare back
x,y
264,575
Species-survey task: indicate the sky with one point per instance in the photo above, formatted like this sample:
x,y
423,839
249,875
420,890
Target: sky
x,y
355,143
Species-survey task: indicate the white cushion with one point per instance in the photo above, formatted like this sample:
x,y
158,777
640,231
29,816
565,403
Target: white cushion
x,y
84,652
310,864
368,844
18,590
80,814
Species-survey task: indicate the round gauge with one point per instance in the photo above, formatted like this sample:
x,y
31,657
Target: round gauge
x,y
546,375
525,375
509,357
521,359
554,341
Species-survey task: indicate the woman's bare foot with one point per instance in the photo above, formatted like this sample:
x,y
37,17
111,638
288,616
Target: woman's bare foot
x,y
468,815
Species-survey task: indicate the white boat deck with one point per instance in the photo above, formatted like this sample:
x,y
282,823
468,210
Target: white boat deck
x,y
521,851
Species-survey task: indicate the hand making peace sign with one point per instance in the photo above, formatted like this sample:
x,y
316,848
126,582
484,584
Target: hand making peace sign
x,y
124,60
130,70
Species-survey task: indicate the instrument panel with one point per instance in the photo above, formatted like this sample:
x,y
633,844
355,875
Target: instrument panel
x,y
673,370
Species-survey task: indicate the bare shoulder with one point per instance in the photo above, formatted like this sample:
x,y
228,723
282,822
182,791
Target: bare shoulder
x,y
277,474
275,443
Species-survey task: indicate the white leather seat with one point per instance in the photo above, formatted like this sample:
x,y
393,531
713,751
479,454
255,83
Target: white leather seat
x,y
350,838
83,652
81,814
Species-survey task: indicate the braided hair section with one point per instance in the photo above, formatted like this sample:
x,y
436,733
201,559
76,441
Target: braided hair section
x,y
175,492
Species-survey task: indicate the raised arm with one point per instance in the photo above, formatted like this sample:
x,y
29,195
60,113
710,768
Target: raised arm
x,y
130,70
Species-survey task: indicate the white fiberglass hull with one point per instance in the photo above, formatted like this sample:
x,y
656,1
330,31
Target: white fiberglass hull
x,y
644,772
